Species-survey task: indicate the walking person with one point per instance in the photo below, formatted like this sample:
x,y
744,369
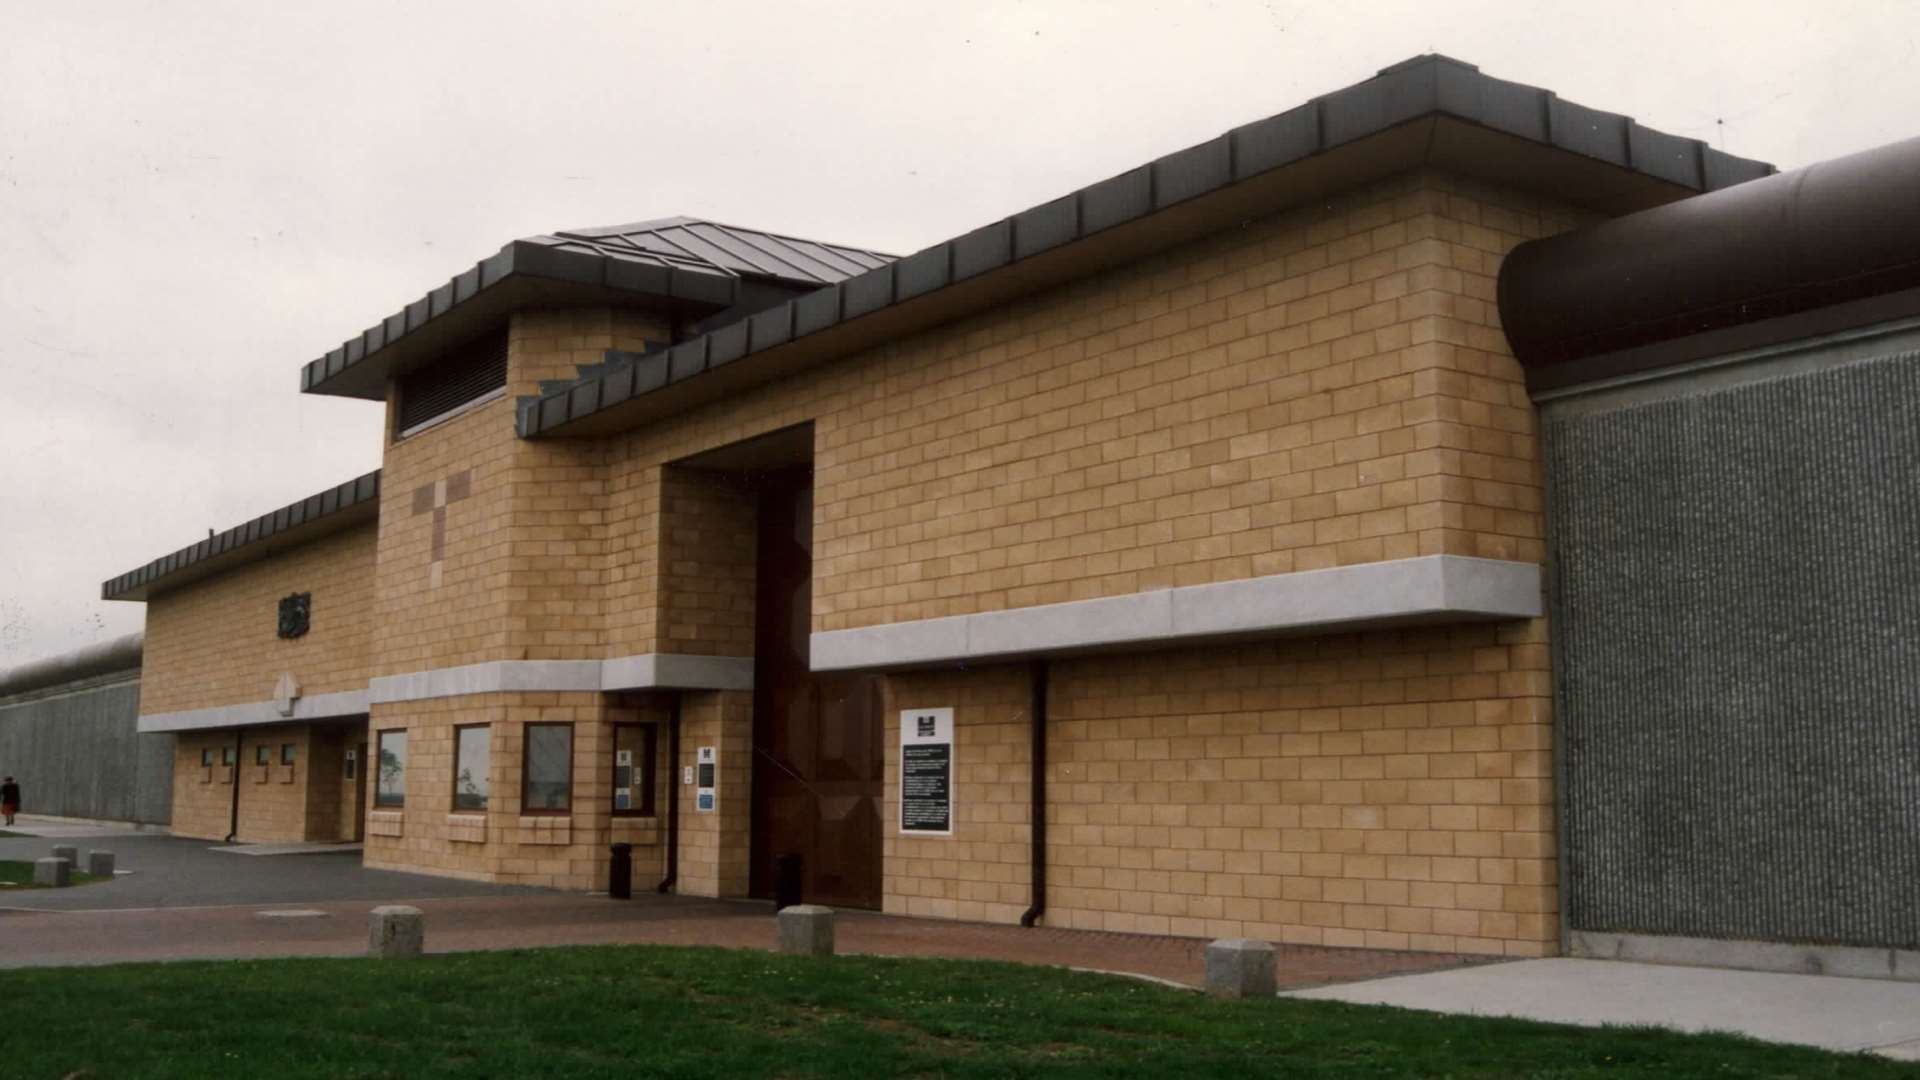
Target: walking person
x,y
9,798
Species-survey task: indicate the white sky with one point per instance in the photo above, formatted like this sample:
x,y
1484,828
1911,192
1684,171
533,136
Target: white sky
x,y
196,198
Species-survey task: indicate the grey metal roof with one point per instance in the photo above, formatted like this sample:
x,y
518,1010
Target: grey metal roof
x,y
312,517
1478,125
746,252
687,260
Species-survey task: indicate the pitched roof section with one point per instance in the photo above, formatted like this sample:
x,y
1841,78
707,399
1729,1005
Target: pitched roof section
x,y
745,252
315,516
1431,110
698,264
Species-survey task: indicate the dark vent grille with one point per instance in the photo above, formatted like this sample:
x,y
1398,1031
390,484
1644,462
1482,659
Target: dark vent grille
x,y
469,373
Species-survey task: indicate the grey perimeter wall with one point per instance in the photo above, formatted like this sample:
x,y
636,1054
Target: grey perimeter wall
x,y
76,754
1735,591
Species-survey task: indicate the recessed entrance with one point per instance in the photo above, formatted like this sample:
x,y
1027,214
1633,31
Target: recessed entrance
x,y
817,767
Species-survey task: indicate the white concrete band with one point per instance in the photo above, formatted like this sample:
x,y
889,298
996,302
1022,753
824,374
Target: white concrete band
x,y
1852,961
649,671
256,713
1427,589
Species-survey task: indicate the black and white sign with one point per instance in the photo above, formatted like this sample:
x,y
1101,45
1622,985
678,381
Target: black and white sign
x,y
707,762
926,772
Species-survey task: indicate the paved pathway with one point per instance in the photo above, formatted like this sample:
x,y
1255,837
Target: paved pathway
x,y
173,871
1818,1010
532,919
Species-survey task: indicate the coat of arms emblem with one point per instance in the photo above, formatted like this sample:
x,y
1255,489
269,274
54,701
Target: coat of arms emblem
x,y
294,611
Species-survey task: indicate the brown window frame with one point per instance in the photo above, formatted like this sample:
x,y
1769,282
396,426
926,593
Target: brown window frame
x,y
263,754
286,753
206,757
228,759
526,774
379,801
453,796
645,806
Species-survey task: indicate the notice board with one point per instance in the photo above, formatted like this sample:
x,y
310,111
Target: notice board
x,y
926,772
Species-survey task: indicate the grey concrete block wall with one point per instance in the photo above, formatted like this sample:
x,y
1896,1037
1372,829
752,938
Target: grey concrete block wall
x,y
76,753
1735,594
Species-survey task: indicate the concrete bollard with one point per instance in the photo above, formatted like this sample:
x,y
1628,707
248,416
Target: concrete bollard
x,y
71,854
806,930
100,863
396,930
1240,967
52,872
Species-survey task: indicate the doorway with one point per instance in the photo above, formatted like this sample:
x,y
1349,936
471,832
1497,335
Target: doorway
x,y
818,767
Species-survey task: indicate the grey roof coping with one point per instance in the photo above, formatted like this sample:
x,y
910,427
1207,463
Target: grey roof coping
x,y
122,654
1475,124
681,259
317,515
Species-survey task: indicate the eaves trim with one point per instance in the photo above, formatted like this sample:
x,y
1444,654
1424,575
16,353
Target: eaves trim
x,y
1422,87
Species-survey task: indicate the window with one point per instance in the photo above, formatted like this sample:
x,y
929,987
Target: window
x,y
227,756
390,783
475,372
206,758
262,755
548,775
472,756
286,753
635,749
353,764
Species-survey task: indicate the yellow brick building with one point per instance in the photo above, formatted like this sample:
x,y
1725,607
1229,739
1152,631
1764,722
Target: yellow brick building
x,y
1162,558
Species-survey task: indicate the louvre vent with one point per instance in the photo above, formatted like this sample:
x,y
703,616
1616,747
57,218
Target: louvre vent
x,y
467,374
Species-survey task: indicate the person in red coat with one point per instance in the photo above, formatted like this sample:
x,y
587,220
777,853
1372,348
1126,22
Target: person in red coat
x,y
9,799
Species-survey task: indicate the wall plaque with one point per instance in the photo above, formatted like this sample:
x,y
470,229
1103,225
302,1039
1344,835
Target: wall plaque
x,y
295,612
926,772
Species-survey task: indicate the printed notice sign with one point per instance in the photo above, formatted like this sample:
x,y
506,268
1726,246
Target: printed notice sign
x,y
926,772
706,762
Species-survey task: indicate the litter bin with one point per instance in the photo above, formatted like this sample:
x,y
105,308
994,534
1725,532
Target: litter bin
x,y
786,881
620,872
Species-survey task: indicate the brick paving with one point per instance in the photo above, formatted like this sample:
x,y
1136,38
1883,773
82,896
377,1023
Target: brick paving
x,y
528,920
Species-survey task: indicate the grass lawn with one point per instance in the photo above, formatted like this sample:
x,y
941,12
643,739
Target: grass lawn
x,y
7,834
656,1011
15,873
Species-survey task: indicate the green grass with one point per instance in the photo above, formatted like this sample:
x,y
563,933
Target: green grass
x,y
6,834
16,873
655,1011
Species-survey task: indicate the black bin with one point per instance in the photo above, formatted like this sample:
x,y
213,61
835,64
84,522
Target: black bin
x,y
786,881
620,872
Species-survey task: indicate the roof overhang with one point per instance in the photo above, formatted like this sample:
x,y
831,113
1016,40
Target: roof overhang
x,y
1430,112
355,502
522,275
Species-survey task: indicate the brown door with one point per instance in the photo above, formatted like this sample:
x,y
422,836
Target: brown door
x,y
357,784
818,775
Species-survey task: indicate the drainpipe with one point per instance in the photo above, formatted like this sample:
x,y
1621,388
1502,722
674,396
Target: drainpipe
x,y
239,755
1038,829
673,797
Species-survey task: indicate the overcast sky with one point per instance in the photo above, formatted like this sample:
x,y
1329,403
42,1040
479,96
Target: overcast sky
x,y
196,198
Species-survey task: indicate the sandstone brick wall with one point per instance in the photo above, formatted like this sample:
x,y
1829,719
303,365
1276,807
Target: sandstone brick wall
x,y
559,851
202,797
706,596
523,551
216,641
714,847
277,801
1323,387
1388,790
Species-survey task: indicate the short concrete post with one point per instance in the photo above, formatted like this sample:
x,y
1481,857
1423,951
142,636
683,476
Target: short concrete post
x,y
806,930
396,930
71,854
52,872
1240,967
100,863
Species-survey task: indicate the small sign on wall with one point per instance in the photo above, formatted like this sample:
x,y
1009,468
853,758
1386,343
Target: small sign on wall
x,y
926,772
706,765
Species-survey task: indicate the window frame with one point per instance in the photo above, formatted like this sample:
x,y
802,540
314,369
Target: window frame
x,y
453,796
228,757
645,806
526,772
206,757
287,753
380,801
263,754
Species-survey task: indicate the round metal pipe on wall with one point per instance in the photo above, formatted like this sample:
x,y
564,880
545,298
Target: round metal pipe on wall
x,y
1598,302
